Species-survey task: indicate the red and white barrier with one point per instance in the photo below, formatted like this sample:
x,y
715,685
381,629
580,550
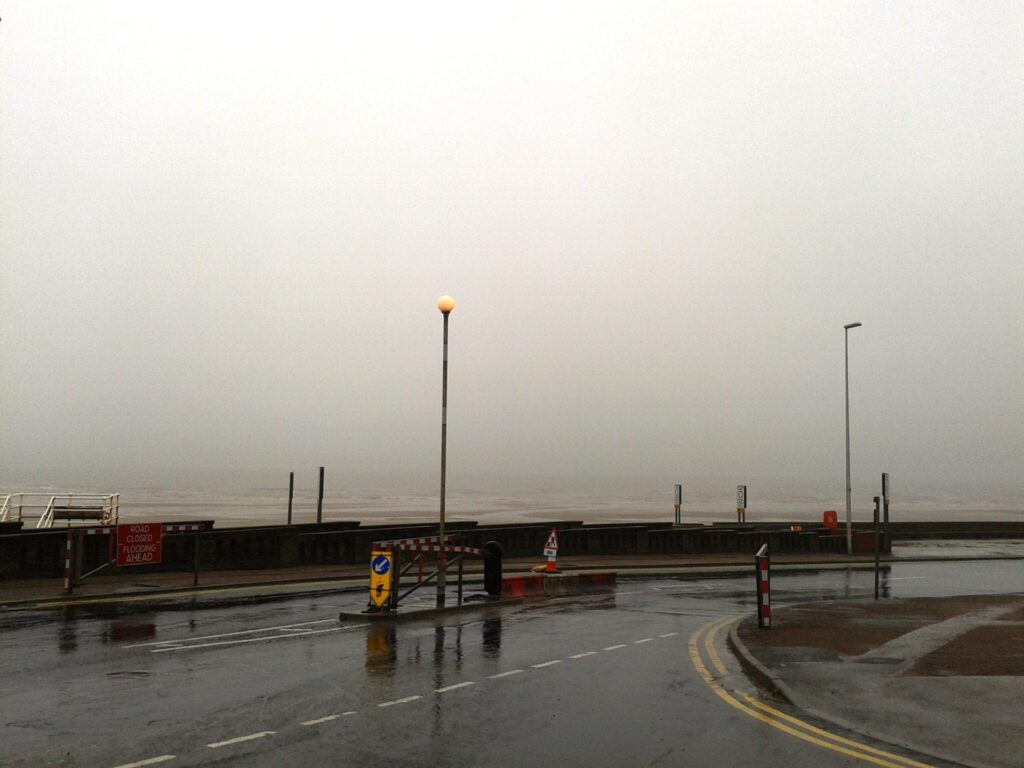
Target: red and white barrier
x,y
184,528
112,531
456,549
67,565
762,566
428,544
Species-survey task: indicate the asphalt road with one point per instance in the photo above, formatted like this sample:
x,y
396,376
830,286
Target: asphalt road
x,y
640,677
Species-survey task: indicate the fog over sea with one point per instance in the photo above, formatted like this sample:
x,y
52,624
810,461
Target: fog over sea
x,y
264,503
626,245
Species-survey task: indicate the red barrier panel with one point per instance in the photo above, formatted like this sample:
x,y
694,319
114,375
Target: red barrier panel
x,y
552,586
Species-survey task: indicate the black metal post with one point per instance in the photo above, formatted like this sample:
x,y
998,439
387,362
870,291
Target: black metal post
x,y
885,506
396,573
291,494
444,455
320,499
876,547
195,561
461,558
79,557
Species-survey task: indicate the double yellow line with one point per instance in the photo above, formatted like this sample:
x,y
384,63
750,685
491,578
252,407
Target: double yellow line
x,y
780,720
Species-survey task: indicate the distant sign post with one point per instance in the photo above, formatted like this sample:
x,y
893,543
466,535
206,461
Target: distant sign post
x,y
679,504
139,544
885,502
741,503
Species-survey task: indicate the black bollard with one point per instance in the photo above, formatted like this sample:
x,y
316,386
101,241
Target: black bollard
x,y
492,568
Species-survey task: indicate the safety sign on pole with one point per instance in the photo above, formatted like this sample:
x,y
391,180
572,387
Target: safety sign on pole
x,y
551,552
741,503
679,504
381,572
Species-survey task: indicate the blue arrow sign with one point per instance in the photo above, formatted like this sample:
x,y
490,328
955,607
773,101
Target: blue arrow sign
x,y
380,564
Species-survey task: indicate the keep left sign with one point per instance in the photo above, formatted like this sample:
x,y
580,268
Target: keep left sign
x,y
139,544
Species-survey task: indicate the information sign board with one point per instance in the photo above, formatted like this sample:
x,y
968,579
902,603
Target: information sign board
x,y
741,497
140,544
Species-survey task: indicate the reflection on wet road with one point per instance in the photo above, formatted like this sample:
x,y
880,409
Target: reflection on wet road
x,y
602,680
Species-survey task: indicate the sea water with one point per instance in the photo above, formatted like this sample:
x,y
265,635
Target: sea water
x,y
268,505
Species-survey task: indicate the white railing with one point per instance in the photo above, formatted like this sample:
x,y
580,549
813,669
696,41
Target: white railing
x,y
45,508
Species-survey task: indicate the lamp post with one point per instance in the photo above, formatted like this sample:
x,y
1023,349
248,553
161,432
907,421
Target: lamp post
x,y
849,514
446,304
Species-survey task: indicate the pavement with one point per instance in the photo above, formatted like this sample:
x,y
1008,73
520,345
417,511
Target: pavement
x,y
941,676
22,593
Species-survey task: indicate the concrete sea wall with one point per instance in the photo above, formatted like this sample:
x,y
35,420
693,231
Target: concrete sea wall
x,y
31,553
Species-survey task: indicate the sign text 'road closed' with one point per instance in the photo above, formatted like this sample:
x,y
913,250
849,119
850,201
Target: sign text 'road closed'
x,y
139,544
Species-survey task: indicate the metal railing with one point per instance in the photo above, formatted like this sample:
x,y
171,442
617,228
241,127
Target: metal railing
x,y
45,508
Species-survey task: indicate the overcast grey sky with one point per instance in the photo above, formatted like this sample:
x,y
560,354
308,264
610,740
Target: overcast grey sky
x,y
224,227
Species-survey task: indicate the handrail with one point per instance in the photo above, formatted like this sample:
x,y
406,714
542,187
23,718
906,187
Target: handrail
x,y
21,505
46,520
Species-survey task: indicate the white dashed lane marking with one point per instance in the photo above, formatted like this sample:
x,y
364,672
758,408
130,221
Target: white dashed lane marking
x,y
645,640
453,687
614,647
406,700
505,674
669,634
583,655
320,720
240,739
150,761
546,664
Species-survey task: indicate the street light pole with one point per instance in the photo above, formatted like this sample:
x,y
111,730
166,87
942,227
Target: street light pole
x,y
446,304
849,513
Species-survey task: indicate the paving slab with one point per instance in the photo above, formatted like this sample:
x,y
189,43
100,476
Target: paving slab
x,y
941,676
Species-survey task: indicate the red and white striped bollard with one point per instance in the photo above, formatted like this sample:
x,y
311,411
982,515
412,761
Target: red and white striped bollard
x,y
762,566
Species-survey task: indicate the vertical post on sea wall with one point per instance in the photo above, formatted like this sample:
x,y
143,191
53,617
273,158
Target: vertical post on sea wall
x,y
320,499
291,494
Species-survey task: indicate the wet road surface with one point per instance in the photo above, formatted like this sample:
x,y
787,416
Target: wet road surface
x,y
607,680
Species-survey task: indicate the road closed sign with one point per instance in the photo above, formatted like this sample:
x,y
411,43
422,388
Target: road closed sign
x,y
139,544
381,563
